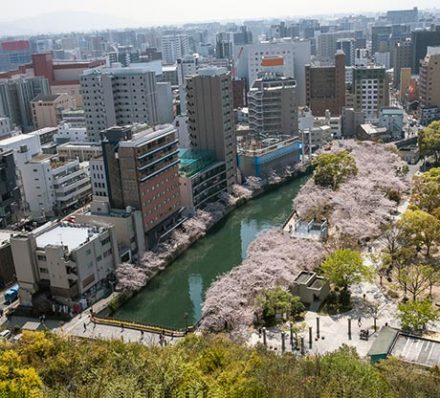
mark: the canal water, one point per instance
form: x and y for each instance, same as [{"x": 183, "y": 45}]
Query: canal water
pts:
[{"x": 174, "y": 298}]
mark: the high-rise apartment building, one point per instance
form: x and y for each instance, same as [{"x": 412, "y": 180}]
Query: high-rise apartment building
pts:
[
  {"x": 429, "y": 80},
  {"x": 402, "y": 57},
  {"x": 223, "y": 45},
  {"x": 10, "y": 198},
  {"x": 370, "y": 90},
  {"x": 348, "y": 46},
  {"x": 325, "y": 87},
  {"x": 118, "y": 97},
  {"x": 16, "y": 96},
  {"x": 243, "y": 36},
  {"x": 174, "y": 47},
  {"x": 422, "y": 39},
  {"x": 327, "y": 43},
  {"x": 141, "y": 168},
  {"x": 380, "y": 38},
  {"x": 211, "y": 117},
  {"x": 14, "y": 53},
  {"x": 272, "y": 105}
]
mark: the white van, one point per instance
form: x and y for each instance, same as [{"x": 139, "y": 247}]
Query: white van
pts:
[{"x": 5, "y": 334}]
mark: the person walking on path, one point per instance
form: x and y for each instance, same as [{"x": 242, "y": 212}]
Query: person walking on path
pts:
[{"x": 85, "y": 327}]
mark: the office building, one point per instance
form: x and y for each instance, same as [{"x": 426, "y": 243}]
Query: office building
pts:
[
  {"x": 272, "y": 105},
  {"x": 118, "y": 97},
  {"x": 370, "y": 90},
  {"x": 63, "y": 76},
  {"x": 47, "y": 109},
  {"x": 174, "y": 47},
  {"x": 380, "y": 38},
  {"x": 16, "y": 96},
  {"x": 10, "y": 197},
  {"x": 98, "y": 177},
  {"x": 83, "y": 151},
  {"x": 211, "y": 117},
  {"x": 69, "y": 262},
  {"x": 7, "y": 269},
  {"x": 347, "y": 45},
  {"x": 14, "y": 53},
  {"x": 141, "y": 167},
  {"x": 398, "y": 17},
  {"x": 422, "y": 39},
  {"x": 5, "y": 128},
  {"x": 429, "y": 80},
  {"x": 325, "y": 87},
  {"x": 402, "y": 55},
  {"x": 392, "y": 120},
  {"x": 327, "y": 43},
  {"x": 248, "y": 61},
  {"x": 53, "y": 187},
  {"x": 202, "y": 178},
  {"x": 351, "y": 120},
  {"x": 261, "y": 157},
  {"x": 223, "y": 45},
  {"x": 243, "y": 36}
]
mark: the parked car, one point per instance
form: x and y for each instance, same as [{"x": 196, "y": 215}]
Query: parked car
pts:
[{"x": 5, "y": 334}]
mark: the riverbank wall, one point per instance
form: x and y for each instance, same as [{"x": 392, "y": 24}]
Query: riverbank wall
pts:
[{"x": 174, "y": 251}]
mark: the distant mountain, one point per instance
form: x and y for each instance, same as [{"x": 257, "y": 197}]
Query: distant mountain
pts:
[{"x": 59, "y": 22}]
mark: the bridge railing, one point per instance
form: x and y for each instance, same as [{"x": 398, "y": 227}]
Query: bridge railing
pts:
[{"x": 141, "y": 327}]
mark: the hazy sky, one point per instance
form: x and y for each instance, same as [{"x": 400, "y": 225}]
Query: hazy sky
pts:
[{"x": 157, "y": 11}]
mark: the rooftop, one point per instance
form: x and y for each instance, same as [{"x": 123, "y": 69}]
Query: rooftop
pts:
[
  {"x": 194, "y": 160},
  {"x": 148, "y": 134},
  {"x": 46, "y": 97},
  {"x": 417, "y": 350},
  {"x": 44, "y": 130},
  {"x": 72, "y": 236},
  {"x": 5, "y": 236}
]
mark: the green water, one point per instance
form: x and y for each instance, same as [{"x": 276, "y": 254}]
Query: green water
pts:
[{"x": 174, "y": 298}]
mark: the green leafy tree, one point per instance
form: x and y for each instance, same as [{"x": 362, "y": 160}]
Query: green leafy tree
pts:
[
  {"x": 416, "y": 279},
  {"x": 429, "y": 141},
  {"x": 426, "y": 192},
  {"x": 331, "y": 169},
  {"x": 419, "y": 228},
  {"x": 415, "y": 315},
  {"x": 345, "y": 267},
  {"x": 277, "y": 302}
]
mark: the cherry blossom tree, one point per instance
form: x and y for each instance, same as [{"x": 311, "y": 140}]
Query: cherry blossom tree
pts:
[{"x": 274, "y": 260}]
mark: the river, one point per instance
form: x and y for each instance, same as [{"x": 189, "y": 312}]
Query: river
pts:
[{"x": 174, "y": 298}]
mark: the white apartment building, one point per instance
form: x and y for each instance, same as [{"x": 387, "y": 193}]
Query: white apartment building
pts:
[
  {"x": 68, "y": 133},
  {"x": 72, "y": 262},
  {"x": 187, "y": 66},
  {"x": 248, "y": 60},
  {"x": 174, "y": 47},
  {"x": 120, "y": 96},
  {"x": 52, "y": 186}
]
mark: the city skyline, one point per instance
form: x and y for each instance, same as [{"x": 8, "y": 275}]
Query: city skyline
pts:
[{"x": 95, "y": 14}]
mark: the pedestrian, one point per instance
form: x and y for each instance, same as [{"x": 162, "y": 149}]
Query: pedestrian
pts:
[
  {"x": 142, "y": 334},
  {"x": 259, "y": 333},
  {"x": 360, "y": 321},
  {"x": 122, "y": 327},
  {"x": 85, "y": 326}
]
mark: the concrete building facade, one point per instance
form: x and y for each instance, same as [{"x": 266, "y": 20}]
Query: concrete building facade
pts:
[
  {"x": 429, "y": 81},
  {"x": 370, "y": 90},
  {"x": 325, "y": 87},
  {"x": 141, "y": 167},
  {"x": 210, "y": 111},
  {"x": 272, "y": 105},
  {"x": 69, "y": 261},
  {"x": 47, "y": 109},
  {"x": 118, "y": 97}
]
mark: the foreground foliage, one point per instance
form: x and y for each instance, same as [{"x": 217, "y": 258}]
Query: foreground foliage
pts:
[{"x": 211, "y": 366}]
